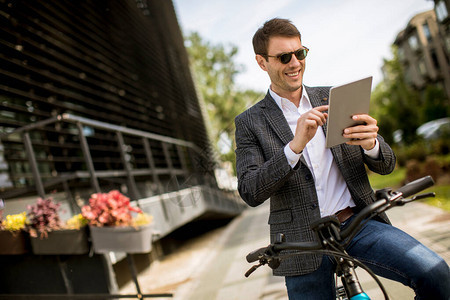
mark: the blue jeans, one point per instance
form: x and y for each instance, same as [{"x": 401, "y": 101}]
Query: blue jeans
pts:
[{"x": 388, "y": 252}]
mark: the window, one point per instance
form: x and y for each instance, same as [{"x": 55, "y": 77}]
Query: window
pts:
[
  {"x": 413, "y": 42},
  {"x": 426, "y": 31},
  {"x": 434, "y": 59},
  {"x": 421, "y": 68},
  {"x": 447, "y": 43},
  {"x": 441, "y": 11}
]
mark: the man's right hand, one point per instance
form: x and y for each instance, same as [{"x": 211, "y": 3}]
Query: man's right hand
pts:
[{"x": 307, "y": 126}]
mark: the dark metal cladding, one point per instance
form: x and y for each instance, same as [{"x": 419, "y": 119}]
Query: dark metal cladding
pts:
[{"x": 118, "y": 62}]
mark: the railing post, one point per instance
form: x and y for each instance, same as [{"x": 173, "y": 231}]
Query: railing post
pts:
[
  {"x": 172, "y": 173},
  {"x": 189, "y": 178},
  {"x": 127, "y": 166},
  {"x": 151, "y": 164},
  {"x": 168, "y": 159},
  {"x": 182, "y": 160},
  {"x": 88, "y": 158},
  {"x": 194, "y": 158},
  {"x": 33, "y": 164}
]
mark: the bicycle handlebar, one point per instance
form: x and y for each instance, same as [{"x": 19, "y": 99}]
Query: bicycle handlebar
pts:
[
  {"x": 387, "y": 200},
  {"x": 416, "y": 186},
  {"x": 255, "y": 255},
  {"x": 305, "y": 246}
]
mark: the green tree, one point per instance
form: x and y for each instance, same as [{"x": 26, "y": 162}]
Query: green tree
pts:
[
  {"x": 436, "y": 103},
  {"x": 397, "y": 106},
  {"x": 214, "y": 71}
]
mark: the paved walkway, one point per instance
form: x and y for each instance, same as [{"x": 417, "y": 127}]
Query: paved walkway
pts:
[{"x": 212, "y": 266}]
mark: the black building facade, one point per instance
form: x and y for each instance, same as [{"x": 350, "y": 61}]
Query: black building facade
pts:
[{"x": 120, "y": 63}]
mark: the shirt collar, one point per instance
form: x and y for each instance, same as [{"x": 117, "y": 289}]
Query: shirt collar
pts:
[{"x": 286, "y": 105}]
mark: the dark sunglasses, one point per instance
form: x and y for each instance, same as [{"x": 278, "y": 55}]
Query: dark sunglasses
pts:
[{"x": 285, "y": 58}]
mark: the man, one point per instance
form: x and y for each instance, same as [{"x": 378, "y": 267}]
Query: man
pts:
[{"x": 281, "y": 155}]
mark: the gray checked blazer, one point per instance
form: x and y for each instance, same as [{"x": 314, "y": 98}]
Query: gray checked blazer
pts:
[{"x": 263, "y": 172}]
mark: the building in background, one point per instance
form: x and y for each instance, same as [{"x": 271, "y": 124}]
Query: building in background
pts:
[
  {"x": 442, "y": 9},
  {"x": 122, "y": 63},
  {"x": 424, "y": 48}
]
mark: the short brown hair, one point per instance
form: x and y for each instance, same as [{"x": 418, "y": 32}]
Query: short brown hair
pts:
[{"x": 271, "y": 28}]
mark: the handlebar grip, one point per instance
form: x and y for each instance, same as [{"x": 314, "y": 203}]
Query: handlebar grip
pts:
[
  {"x": 416, "y": 186},
  {"x": 254, "y": 255}
]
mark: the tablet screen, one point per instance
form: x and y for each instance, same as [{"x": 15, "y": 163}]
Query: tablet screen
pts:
[{"x": 345, "y": 101}]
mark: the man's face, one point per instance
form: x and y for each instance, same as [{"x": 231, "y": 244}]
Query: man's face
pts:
[{"x": 285, "y": 78}]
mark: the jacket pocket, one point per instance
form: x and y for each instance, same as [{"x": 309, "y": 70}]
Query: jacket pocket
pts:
[{"x": 280, "y": 217}]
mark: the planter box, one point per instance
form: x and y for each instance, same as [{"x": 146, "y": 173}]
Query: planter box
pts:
[
  {"x": 126, "y": 239},
  {"x": 62, "y": 242},
  {"x": 14, "y": 243}
]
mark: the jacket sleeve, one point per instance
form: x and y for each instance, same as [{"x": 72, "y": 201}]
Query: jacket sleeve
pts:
[
  {"x": 258, "y": 178},
  {"x": 385, "y": 163}
]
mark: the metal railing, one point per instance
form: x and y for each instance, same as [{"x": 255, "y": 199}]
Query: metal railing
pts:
[{"x": 128, "y": 171}]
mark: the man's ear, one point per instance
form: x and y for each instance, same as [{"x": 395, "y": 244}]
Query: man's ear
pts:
[{"x": 261, "y": 62}]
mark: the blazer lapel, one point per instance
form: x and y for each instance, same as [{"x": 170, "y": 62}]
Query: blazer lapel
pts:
[
  {"x": 278, "y": 122},
  {"x": 276, "y": 119},
  {"x": 317, "y": 100}
]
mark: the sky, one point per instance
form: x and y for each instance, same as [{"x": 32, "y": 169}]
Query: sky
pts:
[{"x": 348, "y": 39}]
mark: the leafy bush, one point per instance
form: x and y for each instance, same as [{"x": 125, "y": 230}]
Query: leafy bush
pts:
[
  {"x": 43, "y": 217},
  {"x": 433, "y": 165},
  {"x": 416, "y": 151}
]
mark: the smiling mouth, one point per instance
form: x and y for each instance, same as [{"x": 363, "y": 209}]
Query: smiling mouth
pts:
[{"x": 293, "y": 74}]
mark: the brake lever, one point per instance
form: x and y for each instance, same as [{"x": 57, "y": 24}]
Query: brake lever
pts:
[
  {"x": 417, "y": 197},
  {"x": 253, "y": 269},
  {"x": 264, "y": 259}
]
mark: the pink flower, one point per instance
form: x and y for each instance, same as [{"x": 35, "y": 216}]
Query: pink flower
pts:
[{"x": 109, "y": 209}]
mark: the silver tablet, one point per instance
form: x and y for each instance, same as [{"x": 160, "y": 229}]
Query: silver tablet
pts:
[{"x": 345, "y": 101}]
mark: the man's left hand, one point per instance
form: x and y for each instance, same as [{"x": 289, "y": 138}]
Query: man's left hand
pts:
[{"x": 362, "y": 135}]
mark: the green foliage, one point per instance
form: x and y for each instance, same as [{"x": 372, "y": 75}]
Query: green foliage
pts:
[
  {"x": 396, "y": 103},
  {"x": 415, "y": 151},
  {"x": 398, "y": 106},
  {"x": 436, "y": 104},
  {"x": 421, "y": 149},
  {"x": 442, "y": 198},
  {"x": 393, "y": 180},
  {"x": 380, "y": 110},
  {"x": 214, "y": 71},
  {"x": 396, "y": 179}
]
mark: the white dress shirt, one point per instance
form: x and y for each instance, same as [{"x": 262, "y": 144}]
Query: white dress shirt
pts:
[{"x": 332, "y": 191}]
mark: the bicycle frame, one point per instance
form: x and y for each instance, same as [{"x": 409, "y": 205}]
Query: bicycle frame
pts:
[{"x": 332, "y": 241}]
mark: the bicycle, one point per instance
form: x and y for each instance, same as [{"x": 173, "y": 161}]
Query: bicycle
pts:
[{"x": 332, "y": 241}]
